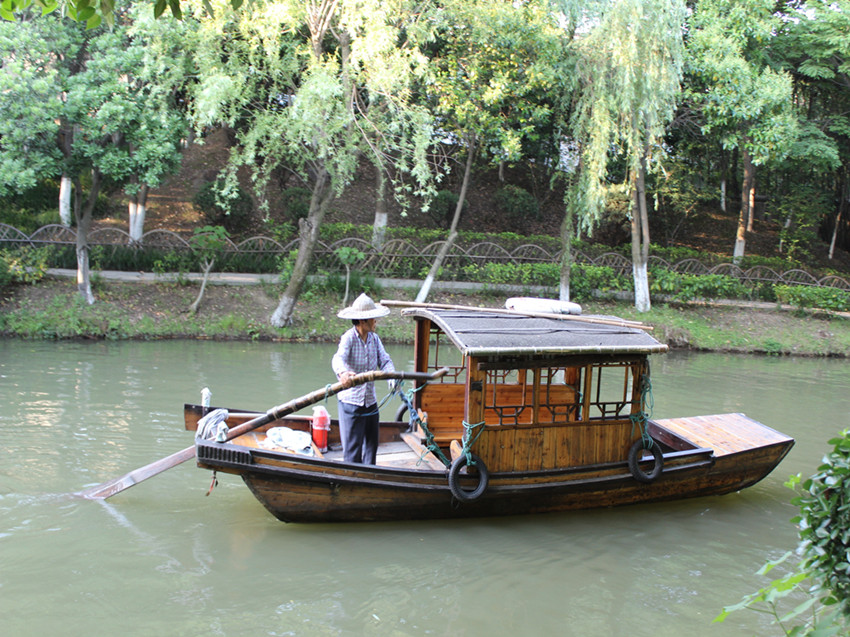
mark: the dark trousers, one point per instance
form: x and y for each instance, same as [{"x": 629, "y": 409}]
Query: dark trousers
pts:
[{"x": 358, "y": 428}]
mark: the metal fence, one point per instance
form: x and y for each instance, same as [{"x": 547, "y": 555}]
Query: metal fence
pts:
[{"x": 399, "y": 258}]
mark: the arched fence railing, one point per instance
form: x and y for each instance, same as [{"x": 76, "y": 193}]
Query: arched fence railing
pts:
[{"x": 397, "y": 258}]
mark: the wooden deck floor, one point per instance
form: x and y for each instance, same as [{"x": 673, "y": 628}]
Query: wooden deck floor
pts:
[
  {"x": 724, "y": 433},
  {"x": 404, "y": 454}
]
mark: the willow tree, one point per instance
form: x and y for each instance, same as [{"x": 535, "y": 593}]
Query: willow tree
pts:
[
  {"x": 313, "y": 87},
  {"x": 491, "y": 65},
  {"x": 630, "y": 65},
  {"x": 744, "y": 98}
]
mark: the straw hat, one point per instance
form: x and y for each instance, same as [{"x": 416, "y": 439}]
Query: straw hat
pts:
[{"x": 364, "y": 308}]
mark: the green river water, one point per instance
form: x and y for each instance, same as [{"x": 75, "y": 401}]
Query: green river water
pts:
[{"x": 163, "y": 559}]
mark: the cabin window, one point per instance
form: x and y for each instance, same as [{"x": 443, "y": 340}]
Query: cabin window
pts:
[
  {"x": 551, "y": 395},
  {"x": 609, "y": 389},
  {"x": 560, "y": 394},
  {"x": 443, "y": 353},
  {"x": 508, "y": 396}
]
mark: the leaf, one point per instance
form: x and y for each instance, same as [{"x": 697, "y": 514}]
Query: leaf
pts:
[
  {"x": 159, "y": 8},
  {"x": 93, "y": 22},
  {"x": 175, "y": 9}
]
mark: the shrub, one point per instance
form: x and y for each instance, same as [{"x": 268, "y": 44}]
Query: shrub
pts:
[
  {"x": 586, "y": 280},
  {"x": 687, "y": 287},
  {"x": 443, "y": 206},
  {"x": 824, "y": 572},
  {"x": 228, "y": 209},
  {"x": 823, "y": 298},
  {"x": 517, "y": 205},
  {"x": 295, "y": 203}
]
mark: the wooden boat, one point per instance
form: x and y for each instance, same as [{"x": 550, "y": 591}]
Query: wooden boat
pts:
[{"x": 537, "y": 413}]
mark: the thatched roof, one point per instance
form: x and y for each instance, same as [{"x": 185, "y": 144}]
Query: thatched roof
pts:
[{"x": 477, "y": 332}]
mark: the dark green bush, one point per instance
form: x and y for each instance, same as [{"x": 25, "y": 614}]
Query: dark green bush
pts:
[
  {"x": 517, "y": 205},
  {"x": 219, "y": 211},
  {"x": 442, "y": 208},
  {"x": 295, "y": 203},
  {"x": 687, "y": 287}
]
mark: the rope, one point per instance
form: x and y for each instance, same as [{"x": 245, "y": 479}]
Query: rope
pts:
[
  {"x": 430, "y": 444},
  {"x": 647, "y": 402},
  {"x": 469, "y": 440}
]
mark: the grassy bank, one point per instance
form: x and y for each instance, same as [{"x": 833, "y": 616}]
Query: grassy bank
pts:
[{"x": 52, "y": 309}]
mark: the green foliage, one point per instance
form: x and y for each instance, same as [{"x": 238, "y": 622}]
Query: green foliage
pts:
[
  {"x": 807, "y": 296},
  {"x": 588, "y": 280},
  {"x": 229, "y": 208},
  {"x": 23, "y": 265},
  {"x": 513, "y": 273},
  {"x": 823, "y": 574},
  {"x": 800, "y": 212},
  {"x": 517, "y": 205},
  {"x": 824, "y": 522},
  {"x": 687, "y": 287}
]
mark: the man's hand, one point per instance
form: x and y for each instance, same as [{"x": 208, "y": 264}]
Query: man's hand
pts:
[{"x": 345, "y": 378}]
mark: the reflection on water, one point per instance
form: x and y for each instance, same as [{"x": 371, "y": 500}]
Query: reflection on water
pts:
[{"x": 161, "y": 558}]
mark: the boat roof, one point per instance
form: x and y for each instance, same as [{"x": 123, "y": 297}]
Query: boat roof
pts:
[{"x": 478, "y": 332}]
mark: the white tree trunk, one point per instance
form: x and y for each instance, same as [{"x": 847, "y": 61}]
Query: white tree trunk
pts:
[
  {"x": 640, "y": 240},
  {"x": 65, "y": 188},
  {"x": 746, "y": 197},
  {"x": 137, "y": 208},
  {"x": 566, "y": 255},
  {"x": 723, "y": 194},
  {"x": 83, "y": 215},
  {"x": 379, "y": 228},
  {"x": 639, "y": 273}
]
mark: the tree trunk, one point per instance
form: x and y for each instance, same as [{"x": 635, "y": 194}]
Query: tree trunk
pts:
[
  {"x": 566, "y": 255},
  {"x": 137, "y": 208},
  {"x": 741, "y": 237},
  {"x": 441, "y": 255},
  {"x": 751, "y": 203},
  {"x": 640, "y": 239},
  {"x": 193, "y": 309},
  {"x": 844, "y": 197},
  {"x": 379, "y": 229},
  {"x": 83, "y": 216},
  {"x": 308, "y": 234},
  {"x": 65, "y": 187}
]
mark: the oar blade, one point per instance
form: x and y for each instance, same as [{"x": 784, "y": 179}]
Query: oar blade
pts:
[{"x": 108, "y": 489}]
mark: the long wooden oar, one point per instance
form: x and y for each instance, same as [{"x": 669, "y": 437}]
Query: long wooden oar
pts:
[
  {"x": 496, "y": 310},
  {"x": 108, "y": 489}
]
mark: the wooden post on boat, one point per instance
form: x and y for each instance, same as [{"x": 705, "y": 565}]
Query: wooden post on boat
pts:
[{"x": 108, "y": 489}]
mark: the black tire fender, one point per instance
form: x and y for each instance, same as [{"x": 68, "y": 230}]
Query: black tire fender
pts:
[
  {"x": 461, "y": 494},
  {"x": 399, "y": 414},
  {"x": 634, "y": 460}
]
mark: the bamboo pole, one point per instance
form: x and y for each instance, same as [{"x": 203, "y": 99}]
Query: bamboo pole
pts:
[{"x": 563, "y": 317}]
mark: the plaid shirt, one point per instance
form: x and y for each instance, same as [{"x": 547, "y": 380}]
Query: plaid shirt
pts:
[{"x": 356, "y": 356}]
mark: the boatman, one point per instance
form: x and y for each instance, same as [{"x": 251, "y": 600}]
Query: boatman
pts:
[{"x": 360, "y": 350}]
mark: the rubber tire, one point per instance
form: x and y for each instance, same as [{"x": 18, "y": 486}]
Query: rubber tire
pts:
[
  {"x": 399, "y": 414},
  {"x": 460, "y": 494},
  {"x": 634, "y": 461}
]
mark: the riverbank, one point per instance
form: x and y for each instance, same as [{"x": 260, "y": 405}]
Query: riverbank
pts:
[{"x": 140, "y": 309}]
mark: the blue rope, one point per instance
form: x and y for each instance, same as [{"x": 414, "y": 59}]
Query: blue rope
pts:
[
  {"x": 647, "y": 403},
  {"x": 430, "y": 444},
  {"x": 469, "y": 439}
]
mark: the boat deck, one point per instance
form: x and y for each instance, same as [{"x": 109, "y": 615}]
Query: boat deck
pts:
[
  {"x": 724, "y": 433},
  {"x": 406, "y": 453}
]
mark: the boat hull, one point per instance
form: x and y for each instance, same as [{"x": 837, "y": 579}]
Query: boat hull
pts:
[{"x": 303, "y": 489}]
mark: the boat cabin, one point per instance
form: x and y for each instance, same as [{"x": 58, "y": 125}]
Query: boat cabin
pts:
[{"x": 530, "y": 393}]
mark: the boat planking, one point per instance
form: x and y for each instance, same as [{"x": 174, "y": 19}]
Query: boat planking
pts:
[{"x": 536, "y": 414}]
